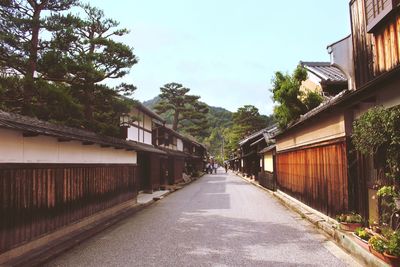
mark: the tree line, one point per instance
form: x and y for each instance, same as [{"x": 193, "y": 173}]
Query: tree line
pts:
[{"x": 53, "y": 63}]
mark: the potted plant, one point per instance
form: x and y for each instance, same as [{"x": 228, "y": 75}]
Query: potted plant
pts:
[
  {"x": 392, "y": 250},
  {"x": 377, "y": 245},
  {"x": 362, "y": 236},
  {"x": 349, "y": 221}
]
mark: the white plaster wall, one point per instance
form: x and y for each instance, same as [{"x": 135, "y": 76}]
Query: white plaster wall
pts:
[
  {"x": 179, "y": 144},
  {"x": 314, "y": 132},
  {"x": 147, "y": 123},
  {"x": 147, "y": 138},
  {"x": 133, "y": 134},
  {"x": 268, "y": 162},
  {"x": 14, "y": 148},
  {"x": 342, "y": 56}
]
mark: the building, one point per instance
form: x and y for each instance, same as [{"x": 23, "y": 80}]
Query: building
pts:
[
  {"x": 55, "y": 179},
  {"x": 138, "y": 127},
  {"x": 316, "y": 162}
]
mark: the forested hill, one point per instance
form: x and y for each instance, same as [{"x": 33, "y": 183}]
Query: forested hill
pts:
[{"x": 219, "y": 119}]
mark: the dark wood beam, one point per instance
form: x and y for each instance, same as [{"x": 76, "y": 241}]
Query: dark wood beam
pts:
[
  {"x": 29, "y": 134},
  {"x": 87, "y": 143},
  {"x": 61, "y": 140}
]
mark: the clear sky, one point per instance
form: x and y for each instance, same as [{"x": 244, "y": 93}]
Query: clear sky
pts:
[{"x": 226, "y": 51}]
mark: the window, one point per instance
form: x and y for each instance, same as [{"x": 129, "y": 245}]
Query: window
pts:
[{"x": 377, "y": 10}]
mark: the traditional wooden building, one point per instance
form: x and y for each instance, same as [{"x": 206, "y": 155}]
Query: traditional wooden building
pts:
[
  {"x": 316, "y": 162},
  {"x": 171, "y": 142},
  {"x": 250, "y": 159},
  {"x": 138, "y": 127},
  {"x": 196, "y": 156},
  {"x": 56, "y": 179}
]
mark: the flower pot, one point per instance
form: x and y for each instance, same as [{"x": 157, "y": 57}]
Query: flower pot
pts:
[
  {"x": 392, "y": 260},
  {"x": 376, "y": 253},
  {"x": 351, "y": 227},
  {"x": 363, "y": 243}
]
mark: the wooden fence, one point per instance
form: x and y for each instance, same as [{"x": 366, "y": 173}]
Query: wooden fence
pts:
[
  {"x": 36, "y": 199},
  {"x": 317, "y": 176}
]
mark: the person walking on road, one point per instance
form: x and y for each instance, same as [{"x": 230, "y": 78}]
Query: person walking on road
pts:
[{"x": 226, "y": 167}]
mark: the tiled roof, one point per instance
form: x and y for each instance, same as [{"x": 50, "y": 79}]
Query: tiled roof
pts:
[
  {"x": 325, "y": 71},
  {"x": 266, "y": 132},
  {"x": 35, "y": 126}
]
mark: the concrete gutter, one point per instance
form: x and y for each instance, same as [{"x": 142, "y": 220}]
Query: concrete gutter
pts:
[
  {"x": 329, "y": 226},
  {"x": 43, "y": 254}
]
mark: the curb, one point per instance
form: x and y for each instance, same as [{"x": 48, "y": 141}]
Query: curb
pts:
[
  {"x": 326, "y": 224},
  {"x": 44, "y": 254}
]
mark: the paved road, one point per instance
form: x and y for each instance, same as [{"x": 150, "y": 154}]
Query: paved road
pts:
[{"x": 219, "y": 220}]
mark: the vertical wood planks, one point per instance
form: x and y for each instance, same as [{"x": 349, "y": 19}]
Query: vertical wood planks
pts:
[
  {"x": 36, "y": 199},
  {"x": 317, "y": 176}
]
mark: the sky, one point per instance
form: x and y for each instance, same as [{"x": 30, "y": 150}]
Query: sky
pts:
[{"x": 225, "y": 51}]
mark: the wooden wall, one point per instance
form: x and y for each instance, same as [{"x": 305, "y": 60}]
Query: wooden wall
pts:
[
  {"x": 387, "y": 46},
  {"x": 317, "y": 176},
  {"x": 376, "y": 52},
  {"x": 179, "y": 165},
  {"x": 362, "y": 44},
  {"x": 36, "y": 199}
]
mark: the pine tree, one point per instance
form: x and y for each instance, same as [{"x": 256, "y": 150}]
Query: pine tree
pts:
[
  {"x": 189, "y": 114},
  {"x": 20, "y": 42}
]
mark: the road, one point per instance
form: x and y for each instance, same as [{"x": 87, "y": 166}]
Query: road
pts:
[{"x": 218, "y": 220}]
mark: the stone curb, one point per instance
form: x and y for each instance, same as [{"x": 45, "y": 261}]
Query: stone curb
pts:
[
  {"x": 326, "y": 224},
  {"x": 52, "y": 250}
]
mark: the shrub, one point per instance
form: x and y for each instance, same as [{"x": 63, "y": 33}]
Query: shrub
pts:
[
  {"x": 393, "y": 245},
  {"x": 377, "y": 243}
]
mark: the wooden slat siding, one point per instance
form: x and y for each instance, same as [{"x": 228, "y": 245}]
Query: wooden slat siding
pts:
[
  {"x": 37, "y": 199},
  {"x": 155, "y": 172},
  {"x": 375, "y": 53},
  {"x": 179, "y": 164},
  {"x": 317, "y": 176},
  {"x": 362, "y": 44},
  {"x": 388, "y": 46}
]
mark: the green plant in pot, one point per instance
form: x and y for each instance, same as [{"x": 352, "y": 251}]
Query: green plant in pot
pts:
[
  {"x": 349, "y": 221},
  {"x": 392, "y": 249},
  {"x": 377, "y": 245},
  {"x": 377, "y": 133},
  {"x": 362, "y": 234}
]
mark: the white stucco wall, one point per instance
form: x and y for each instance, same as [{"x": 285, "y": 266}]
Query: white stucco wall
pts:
[
  {"x": 147, "y": 138},
  {"x": 133, "y": 133},
  {"x": 179, "y": 144},
  {"x": 342, "y": 56},
  {"x": 14, "y": 148},
  {"x": 268, "y": 162}
]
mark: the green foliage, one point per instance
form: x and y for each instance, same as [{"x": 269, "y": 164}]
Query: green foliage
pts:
[
  {"x": 377, "y": 243},
  {"x": 246, "y": 121},
  {"x": 213, "y": 136},
  {"x": 286, "y": 92},
  {"x": 189, "y": 114},
  {"x": 362, "y": 233},
  {"x": 387, "y": 195},
  {"x": 393, "y": 244},
  {"x": 76, "y": 55},
  {"x": 312, "y": 100},
  {"x": 378, "y": 130}
]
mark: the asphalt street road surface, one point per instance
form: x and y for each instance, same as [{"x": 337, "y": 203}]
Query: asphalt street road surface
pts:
[{"x": 219, "y": 220}]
